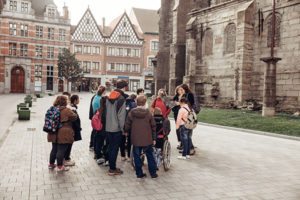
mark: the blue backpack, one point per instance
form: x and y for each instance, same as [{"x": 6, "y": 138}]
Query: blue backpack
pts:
[{"x": 52, "y": 120}]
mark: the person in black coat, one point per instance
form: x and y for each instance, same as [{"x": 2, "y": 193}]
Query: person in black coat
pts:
[
  {"x": 91, "y": 114},
  {"x": 74, "y": 101}
]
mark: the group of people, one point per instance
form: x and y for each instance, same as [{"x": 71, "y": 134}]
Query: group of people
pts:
[{"x": 127, "y": 124}]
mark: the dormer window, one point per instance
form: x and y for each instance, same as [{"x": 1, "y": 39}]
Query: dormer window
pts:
[
  {"x": 13, "y": 5},
  {"x": 51, "y": 12},
  {"x": 87, "y": 21},
  {"x": 124, "y": 24},
  {"x": 24, "y": 7}
]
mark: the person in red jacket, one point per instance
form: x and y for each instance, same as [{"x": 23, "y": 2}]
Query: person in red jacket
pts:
[{"x": 159, "y": 102}]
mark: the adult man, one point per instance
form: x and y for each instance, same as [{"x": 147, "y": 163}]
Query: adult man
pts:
[{"x": 115, "y": 120}]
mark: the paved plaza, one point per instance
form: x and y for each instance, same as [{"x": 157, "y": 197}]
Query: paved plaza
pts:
[{"x": 227, "y": 165}]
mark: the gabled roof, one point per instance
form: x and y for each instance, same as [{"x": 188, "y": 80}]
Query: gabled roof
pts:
[
  {"x": 114, "y": 24},
  {"x": 81, "y": 20},
  {"x": 147, "y": 19},
  {"x": 40, "y": 6}
]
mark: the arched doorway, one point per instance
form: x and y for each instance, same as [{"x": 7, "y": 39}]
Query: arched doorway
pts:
[
  {"x": 60, "y": 86},
  {"x": 17, "y": 80}
]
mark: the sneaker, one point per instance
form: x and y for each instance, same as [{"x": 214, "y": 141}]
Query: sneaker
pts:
[
  {"x": 117, "y": 171},
  {"x": 51, "y": 166},
  {"x": 123, "y": 158},
  {"x": 188, "y": 156},
  {"x": 62, "y": 168},
  {"x": 142, "y": 176},
  {"x": 91, "y": 148},
  {"x": 154, "y": 176},
  {"x": 106, "y": 163},
  {"x": 69, "y": 163},
  {"x": 181, "y": 157},
  {"x": 100, "y": 161}
]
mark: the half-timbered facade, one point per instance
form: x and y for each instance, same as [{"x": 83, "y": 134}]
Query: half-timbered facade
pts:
[
  {"x": 32, "y": 34},
  {"x": 124, "y": 53},
  {"x": 87, "y": 42}
]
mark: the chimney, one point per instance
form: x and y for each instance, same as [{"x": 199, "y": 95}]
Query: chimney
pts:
[
  {"x": 66, "y": 12},
  {"x": 103, "y": 24}
]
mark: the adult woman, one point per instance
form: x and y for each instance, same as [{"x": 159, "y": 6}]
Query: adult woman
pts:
[
  {"x": 179, "y": 93},
  {"x": 74, "y": 101},
  {"x": 64, "y": 136},
  {"x": 159, "y": 102}
]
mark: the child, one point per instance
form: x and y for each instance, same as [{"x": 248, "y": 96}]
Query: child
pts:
[
  {"x": 141, "y": 124},
  {"x": 162, "y": 127},
  {"x": 185, "y": 134}
]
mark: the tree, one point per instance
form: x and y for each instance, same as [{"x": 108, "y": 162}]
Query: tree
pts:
[{"x": 68, "y": 67}]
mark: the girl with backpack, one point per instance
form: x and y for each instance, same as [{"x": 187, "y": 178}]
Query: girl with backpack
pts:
[
  {"x": 64, "y": 136},
  {"x": 185, "y": 134},
  {"x": 160, "y": 102}
]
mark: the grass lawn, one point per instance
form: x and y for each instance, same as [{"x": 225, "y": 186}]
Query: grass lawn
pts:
[{"x": 281, "y": 123}]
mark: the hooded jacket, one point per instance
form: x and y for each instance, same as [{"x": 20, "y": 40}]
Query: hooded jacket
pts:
[
  {"x": 141, "y": 124},
  {"x": 115, "y": 111}
]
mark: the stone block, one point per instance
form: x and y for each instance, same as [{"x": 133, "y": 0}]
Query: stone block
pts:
[{"x": 293, "y": 93}]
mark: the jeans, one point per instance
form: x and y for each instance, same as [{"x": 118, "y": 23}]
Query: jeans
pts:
[
  {"x": 124, "y": 147},
  {"x": 114, "y": 139},
  {"x": 92, "y": 141},
  {"x": 68, "y": 152},
  {"x": 186, "y": 138},
  {"x": 58, "y": 152},
  {"x": 100, "y": 137},
  {"x": 148, "y": 150}
]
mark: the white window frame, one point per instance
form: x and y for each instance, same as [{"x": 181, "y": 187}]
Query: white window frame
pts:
[{"x": 154, "y": 50}]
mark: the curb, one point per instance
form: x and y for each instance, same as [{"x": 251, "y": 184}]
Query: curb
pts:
[{"x": 277, "y": 135}]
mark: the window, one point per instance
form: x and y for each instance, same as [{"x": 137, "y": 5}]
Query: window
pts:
[
  {"x": 50, "y": 52},
  {"x": 111, "y": 67},
  {"x": 39, "y": 32},
  {"x": 50, "y": 77},
  {"x": 13, "y": 49},
  {"x": 87, "y": 49},
  {"x": 127, "y": 52},
  {"x": 208, "y": 42},
  {"x": 96, "y": 66},
  {"x": 51, "y": 12},
  {"x": 62, "y": 34},
  {"x": 124, "y": 37},
  {"x": 87, "y": 35},
  {"x": 61, "y": 51},
  {"x": 87, "y": 21},
  {"x": 135, "y": 68},
  {"x": 127, "y": 67},
  {"x": 24, "y": 50},
  {"x": 78, "y": 49},
  {"x": 136, "y": 53},
  {"x": 24, "y": 30},
  {"x": 39, "y": 51},
  {"x": 12, "y": 29},
  {"x": 96, "y": 50},
  {"x": 50, "y": 33},
  {"x": 111, "y": 51},
  {"x": 38, "y": 73},
  {"x": 86, "y": 65},
  {"x": 154, "y": 45},
  {"x": 13, "y": 5},
  {"x": 150, "y": 64},
  {"x": 119, "y": 51},
  {"x": 24, "y": 7}
]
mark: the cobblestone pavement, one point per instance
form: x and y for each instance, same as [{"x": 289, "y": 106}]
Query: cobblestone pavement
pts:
[{"x": 227, "y": 165}]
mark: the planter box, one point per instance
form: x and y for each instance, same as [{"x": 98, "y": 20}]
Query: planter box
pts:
[
  {"x": 29, "y": 102},
  {"x": 23, "y": 105},
  {"x": 24, "y": 113}
]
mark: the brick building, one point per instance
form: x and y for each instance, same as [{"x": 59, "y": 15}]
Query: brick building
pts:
[
  {"x": 121, "y": 50},
  {"x": 216, "y": 47},
  {"x": 32, "y": 34},
  {"x": 146, "y": 22}
]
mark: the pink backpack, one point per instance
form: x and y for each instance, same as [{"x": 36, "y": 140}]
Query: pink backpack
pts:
[{"x": 96, "y": 122}]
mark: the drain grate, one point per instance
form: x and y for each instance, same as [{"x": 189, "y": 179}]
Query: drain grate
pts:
[{"x": 31, "y": 129}]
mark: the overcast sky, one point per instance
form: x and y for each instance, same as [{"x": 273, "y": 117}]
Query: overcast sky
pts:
[{"x": 110, "y": 9}]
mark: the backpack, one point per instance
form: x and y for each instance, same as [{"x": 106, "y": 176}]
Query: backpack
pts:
[
  {"x": 96, "y": 122},
  {"x": 192, "y": 121},
  {"x": 52, "y": 120},
  {"x": 196, "y": 106}
]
